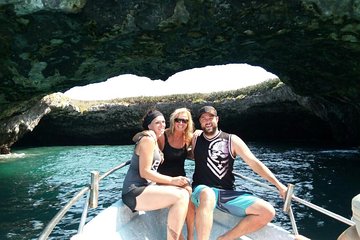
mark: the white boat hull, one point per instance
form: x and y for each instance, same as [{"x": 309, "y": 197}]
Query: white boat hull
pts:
[{"x": 117, "y": 222}]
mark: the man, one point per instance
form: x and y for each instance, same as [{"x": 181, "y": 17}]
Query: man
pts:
[{"x": 213, "y": 180}]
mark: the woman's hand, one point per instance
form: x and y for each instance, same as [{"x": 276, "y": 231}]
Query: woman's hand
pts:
[{"x": 179, "y": 181}]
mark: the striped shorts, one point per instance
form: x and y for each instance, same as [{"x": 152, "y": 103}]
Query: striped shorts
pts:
[{"x": 230, "y": 201}]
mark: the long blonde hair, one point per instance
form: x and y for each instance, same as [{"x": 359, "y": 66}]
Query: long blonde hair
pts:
[{"x": 188, "y": 134}]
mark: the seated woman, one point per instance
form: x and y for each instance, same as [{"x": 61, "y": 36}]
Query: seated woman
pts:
[
  {"x": 175, "y": 145},
  {"x": 139, "y": 191}
]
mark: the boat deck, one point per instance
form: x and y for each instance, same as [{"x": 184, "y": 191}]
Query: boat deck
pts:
[{"x": 118, "y": 223}]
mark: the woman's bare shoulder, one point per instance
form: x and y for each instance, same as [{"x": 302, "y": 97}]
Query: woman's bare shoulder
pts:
[{"x": 146, "y": 133}]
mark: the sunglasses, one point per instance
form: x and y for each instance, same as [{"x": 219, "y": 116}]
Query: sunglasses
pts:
[{"x": 181, "y": 120}]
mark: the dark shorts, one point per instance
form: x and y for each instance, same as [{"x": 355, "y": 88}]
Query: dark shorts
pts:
[
  {"x": 129, "y": 198},
  {"x": 230, "y": 201}
]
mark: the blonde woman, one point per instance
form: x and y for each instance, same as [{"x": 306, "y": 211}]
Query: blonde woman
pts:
[{"x": 175, "y": 144}]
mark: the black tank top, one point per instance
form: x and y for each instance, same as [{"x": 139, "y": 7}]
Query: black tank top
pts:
[
  {"x": 174, "y": 160},
  {"x": 214, "y": 161}
]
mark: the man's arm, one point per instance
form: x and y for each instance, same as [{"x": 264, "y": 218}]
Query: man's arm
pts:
[{"x": 241, "y": 149}]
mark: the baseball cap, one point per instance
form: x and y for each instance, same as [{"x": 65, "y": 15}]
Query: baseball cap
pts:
[{"x": 207, "y": 109}]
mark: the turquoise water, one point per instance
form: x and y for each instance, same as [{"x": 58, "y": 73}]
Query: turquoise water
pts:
[{"x": 35, "y": 183}]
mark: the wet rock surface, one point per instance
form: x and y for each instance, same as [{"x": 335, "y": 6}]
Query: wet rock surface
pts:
[{"x": 313, "y": 46}]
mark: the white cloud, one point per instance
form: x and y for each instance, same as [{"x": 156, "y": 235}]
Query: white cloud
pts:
[{"x": 198, "y": 80}]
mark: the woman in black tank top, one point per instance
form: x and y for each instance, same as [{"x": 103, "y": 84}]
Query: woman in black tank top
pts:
[
  {"x": 174, "y": 144},
  {"x": 174, "y": 162}
]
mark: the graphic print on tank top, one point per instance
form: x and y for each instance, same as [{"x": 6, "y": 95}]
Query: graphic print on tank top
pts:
[
  {"x": 157, "y": 161},
  {"x": 155, "y": 165},
  {"x": 217, "y": 160}
]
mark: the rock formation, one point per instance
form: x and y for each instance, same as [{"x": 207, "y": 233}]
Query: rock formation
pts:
[
  {"x": 266, "y": 111},
  {"x": 50, "y": 46}
]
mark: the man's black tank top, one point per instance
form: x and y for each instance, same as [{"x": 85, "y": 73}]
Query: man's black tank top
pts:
[
  {"x": 174, "y": 160},
  {"x": 214, "y": 161}
]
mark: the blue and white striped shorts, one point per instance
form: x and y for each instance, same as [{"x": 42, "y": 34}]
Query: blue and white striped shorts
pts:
[{"x": 230, "y": 201}]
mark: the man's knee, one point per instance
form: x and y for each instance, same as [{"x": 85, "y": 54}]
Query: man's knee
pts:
[
  {"x": 207, "y": 198},
  {"x": 263, "y": 209},
  {"x": 268, "y": 212}
]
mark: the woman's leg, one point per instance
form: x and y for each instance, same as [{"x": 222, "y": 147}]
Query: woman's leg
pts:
[
  {"x": 190, "y": 217},
  {"x": 176, "y": 199},
  {"x": 190, "y": 221}
]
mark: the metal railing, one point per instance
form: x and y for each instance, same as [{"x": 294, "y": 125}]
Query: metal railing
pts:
[
  {"x": 287, "y": 205},
  {"x": 91, "y": 201},
  {"x": 92, "y": 198}
]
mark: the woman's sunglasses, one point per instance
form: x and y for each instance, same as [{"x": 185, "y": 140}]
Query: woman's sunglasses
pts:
[{"x": 181, "y": 120}]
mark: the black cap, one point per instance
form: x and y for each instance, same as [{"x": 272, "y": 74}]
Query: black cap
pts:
[{"x": 207, "y": 109}]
